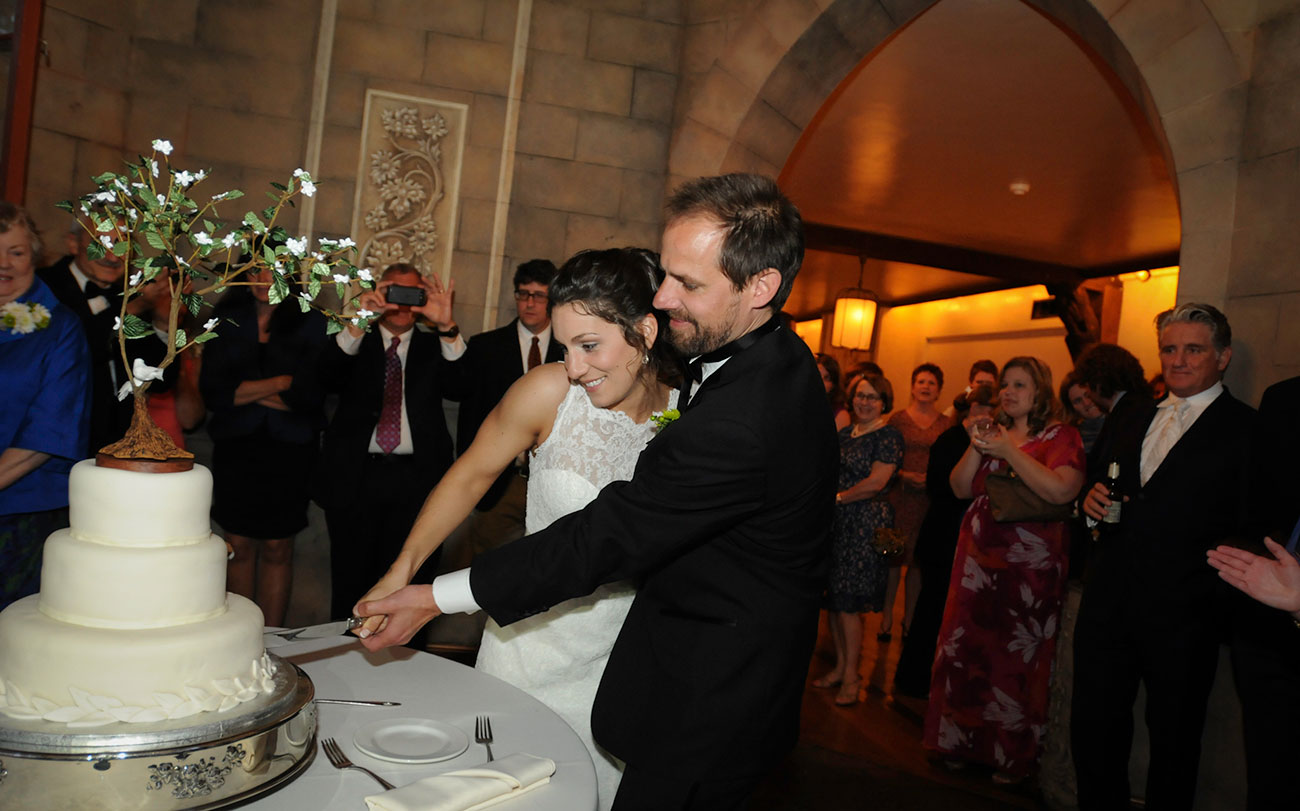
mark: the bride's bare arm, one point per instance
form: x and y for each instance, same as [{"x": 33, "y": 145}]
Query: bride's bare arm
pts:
[{"x": 520, "y": 421}]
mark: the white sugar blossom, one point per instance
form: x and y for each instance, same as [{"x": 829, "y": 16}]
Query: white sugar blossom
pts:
[
  {"x": 365, "y": 275},
  {"x": 297, "y": 247},
  {"x": 201, "y": 238},
  {"x": 219, "y": 197},
  {"x": 132, "y": 215},
  {"x": 153, "y": 167},
  {"x": 162, "y": 146},
  {"x": 162, "y": 199},
  {"x": 356, "y": 322},
  {"x": 279, "y": 267},
  {"x": 136, "y": 277},
  {"x": 184, "y": 178},
  {"x": 105, "y": 197},
  {"x": 308, "y": 188},
  {"x": 347, "y": 242},
  {"x": 199, "y": 175},
  {"x": 364, "y": 313},
  {"x": 209, "y": 324},
  {"x": 107, "y": 240},
  {"x": 117, "y": 323},
  {"x": 304, "y": 296},
  {"x": 341, "y": 278},
  {"x": 229, "y": 240},
  {"x": 85, "y": 209},
  {"x": 300, "y": 172}
]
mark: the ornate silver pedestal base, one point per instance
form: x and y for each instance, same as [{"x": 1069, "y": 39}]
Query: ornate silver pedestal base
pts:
[{"x": 166, "y": 766}]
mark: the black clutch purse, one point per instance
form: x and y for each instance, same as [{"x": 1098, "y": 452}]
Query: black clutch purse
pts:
[{"x": 1011, "y": 500}]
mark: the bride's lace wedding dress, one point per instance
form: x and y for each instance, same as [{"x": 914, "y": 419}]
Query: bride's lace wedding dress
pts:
[{"x": 558, "y": 656}]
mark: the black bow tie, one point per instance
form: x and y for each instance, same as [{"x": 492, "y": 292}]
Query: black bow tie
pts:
[
  {"x": 695, "y": 369},
  {"x": 94, "y": 291}
]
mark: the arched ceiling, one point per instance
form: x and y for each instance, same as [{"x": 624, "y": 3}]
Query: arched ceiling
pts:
[{"x": 912, "y": 159}]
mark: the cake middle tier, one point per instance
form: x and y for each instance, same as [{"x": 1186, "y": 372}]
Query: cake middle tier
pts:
[{"x": 108, "y": 586}]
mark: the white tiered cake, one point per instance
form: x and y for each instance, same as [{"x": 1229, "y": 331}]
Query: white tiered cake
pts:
[{"x": 133, "y": 622}]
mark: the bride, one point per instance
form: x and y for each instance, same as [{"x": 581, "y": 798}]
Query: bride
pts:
[{"x": 583, "y": 424}]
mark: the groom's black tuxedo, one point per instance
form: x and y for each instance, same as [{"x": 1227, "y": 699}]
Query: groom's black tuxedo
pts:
[{"x": 725, "y": 523}]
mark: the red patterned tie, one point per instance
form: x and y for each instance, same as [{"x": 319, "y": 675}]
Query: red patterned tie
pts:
[
  {"x": 534, "y": 355},
  {"x": 389, "y": 432}
]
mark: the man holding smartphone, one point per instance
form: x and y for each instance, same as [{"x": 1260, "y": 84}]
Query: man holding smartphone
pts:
[{"x": 388, "y": 444}]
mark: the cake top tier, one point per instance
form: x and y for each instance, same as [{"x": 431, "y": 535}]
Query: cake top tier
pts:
[{"x": 128, "y": 508}]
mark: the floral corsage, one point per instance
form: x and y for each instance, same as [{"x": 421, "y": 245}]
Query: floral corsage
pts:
[
  {"x": 663, "y": 419},
  {"x": 23, "y": 317}
]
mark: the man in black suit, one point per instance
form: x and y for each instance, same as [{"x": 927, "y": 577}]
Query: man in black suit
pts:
[
  {"x": 1265, "y": 640},
  {"x": 1152, "y": 610},
  {"x": 724, "y": 523},
  {"x": 493, "y": 361},
  {"x": 388, "y": 443},
  {"x": 92, "y": 288}
]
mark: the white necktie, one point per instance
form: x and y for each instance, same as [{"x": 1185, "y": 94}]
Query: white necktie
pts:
[{"x": 1156, "y": 446}]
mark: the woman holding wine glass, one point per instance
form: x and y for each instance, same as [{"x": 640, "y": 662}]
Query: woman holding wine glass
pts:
[{"x": 989, "y": 685}]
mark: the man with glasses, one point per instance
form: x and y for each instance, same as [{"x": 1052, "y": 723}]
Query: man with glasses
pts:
[{"x": 493, "y": 361}]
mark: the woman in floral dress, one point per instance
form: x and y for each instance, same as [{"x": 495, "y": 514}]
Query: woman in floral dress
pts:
[
  {"x": 870, "y": 452},
  {"x": 989, "y": 687}
]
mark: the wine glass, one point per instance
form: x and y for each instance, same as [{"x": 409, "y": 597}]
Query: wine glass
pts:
[{"x": 984, "y": 428}]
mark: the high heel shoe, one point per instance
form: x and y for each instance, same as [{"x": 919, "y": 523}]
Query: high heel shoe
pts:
[
  {"x": 826, "y": 682},
  {"x": 848, "y": 694}
]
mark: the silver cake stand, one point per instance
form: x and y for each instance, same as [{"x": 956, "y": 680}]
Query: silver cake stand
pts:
[{"x": 165, "y": 766}]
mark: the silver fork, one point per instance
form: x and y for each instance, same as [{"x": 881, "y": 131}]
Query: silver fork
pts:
[
  {"x": 340, "y": 761},
  {"x": 483, "y": 733}
]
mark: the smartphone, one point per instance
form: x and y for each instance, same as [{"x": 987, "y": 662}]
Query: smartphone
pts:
[{"x": 406, "y": 294}]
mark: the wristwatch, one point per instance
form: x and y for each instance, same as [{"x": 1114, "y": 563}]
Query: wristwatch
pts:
[{"x": 451, "y": 333}]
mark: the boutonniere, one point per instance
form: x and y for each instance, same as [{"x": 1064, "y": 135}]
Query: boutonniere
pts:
[
  {"x": 662, "y": 419},
  {"x": 24, "y": 317}
]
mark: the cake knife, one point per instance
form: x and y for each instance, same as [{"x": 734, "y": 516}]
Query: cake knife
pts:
[{"x": 318, "y": 631}]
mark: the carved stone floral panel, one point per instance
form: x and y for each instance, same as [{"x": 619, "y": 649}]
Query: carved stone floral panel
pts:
[{"x": 408, "y": 181}]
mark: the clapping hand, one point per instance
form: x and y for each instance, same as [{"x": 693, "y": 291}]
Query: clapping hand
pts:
[
  {"x": 1272, "y": 581},
  {"x": 994, "y": 441}
]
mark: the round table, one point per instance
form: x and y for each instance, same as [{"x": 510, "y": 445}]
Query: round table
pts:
[{"x": 428, "y": 687}]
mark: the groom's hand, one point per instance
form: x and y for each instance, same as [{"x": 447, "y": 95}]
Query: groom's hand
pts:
[{"x": 407, "y": 610}]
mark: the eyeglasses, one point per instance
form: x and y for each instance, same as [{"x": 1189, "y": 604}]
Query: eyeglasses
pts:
[
  {"x": 866, "y": 398},
  {"x": 530, "y": 295}
]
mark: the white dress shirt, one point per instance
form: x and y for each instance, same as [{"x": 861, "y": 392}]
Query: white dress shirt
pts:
[
  {"x": 1174, "y": 416},
  {"x": 351, "y": 345},
  {"x": 526, "y": 343}
]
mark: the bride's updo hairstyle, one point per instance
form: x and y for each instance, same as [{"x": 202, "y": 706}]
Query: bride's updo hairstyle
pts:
[{"x": 618, "y": 285}]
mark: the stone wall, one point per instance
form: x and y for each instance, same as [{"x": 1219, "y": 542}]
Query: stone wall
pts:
[{"x": 231, "y": 83}]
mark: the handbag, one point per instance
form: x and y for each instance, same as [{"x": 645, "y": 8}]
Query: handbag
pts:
[
  {"x": 889, "y": 541},
  {"x": 1011, "y": 500}
]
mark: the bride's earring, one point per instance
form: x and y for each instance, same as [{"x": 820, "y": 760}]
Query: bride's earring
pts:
[{"x": 645, "y": 359}]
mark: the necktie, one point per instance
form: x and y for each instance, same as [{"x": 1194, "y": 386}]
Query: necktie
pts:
[
  {"x": 93, "y": 290},
  {"x": 534, "y": 355},
  {"x": 389, "y": 431},
  {"x": 1169, "y": 431}
]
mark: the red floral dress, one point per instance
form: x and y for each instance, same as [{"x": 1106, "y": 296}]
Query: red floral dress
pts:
[{"x": 993, "y": 665}]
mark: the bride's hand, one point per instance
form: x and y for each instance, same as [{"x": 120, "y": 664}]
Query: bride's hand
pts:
[
  {"x": 405, "y": 611},
  {"x": 387, "y": 584}
]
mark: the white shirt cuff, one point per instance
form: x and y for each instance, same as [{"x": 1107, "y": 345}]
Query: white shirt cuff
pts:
[
  {"x": 452, "y": 593},
  {"x": 453, "y": 349},
  {"x": 349, "y": 343}
]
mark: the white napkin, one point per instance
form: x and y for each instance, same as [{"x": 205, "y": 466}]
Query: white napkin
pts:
[{"x": 469, "y": 789}]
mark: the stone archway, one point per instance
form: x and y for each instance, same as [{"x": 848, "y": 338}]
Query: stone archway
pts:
[{"x": 786, "y": 58}]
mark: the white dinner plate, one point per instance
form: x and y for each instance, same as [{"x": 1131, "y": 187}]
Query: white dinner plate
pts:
[{"x": 411, "y": 740}]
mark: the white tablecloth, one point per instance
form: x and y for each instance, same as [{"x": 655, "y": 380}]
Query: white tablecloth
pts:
[{"x": 428, "y": 687}]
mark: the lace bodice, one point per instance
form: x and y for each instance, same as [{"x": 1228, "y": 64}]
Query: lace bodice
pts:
[{"x": 588, "y": 448}]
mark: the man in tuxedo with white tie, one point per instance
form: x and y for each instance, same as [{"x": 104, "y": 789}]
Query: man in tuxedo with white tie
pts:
[
  {"x": 92, "y": 288},
  {"x": 1152, "y": 611},
  {"x": 724, "y": 523}
]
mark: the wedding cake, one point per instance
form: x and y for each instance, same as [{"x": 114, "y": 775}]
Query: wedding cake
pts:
[{"x": 133, "y": 622}]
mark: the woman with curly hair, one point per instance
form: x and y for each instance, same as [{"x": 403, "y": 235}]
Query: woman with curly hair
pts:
[{"x": 989, "y": 686}]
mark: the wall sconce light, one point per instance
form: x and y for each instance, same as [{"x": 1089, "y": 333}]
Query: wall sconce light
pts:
[{"x": 855, "y": 315}]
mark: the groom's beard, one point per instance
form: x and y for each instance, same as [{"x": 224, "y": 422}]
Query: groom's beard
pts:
[{"x": 697, "y": 339}]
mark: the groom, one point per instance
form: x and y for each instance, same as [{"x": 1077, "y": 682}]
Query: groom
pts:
[{"x": 724, "y": 524}]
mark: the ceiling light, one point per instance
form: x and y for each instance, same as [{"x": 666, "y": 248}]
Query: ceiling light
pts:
[
  {"x": 1019, "y": 187},
  {"x": 855, "y": 315}
]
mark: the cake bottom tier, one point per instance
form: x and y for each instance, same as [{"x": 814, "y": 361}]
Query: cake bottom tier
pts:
[{"x": 91, "y": 676}]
